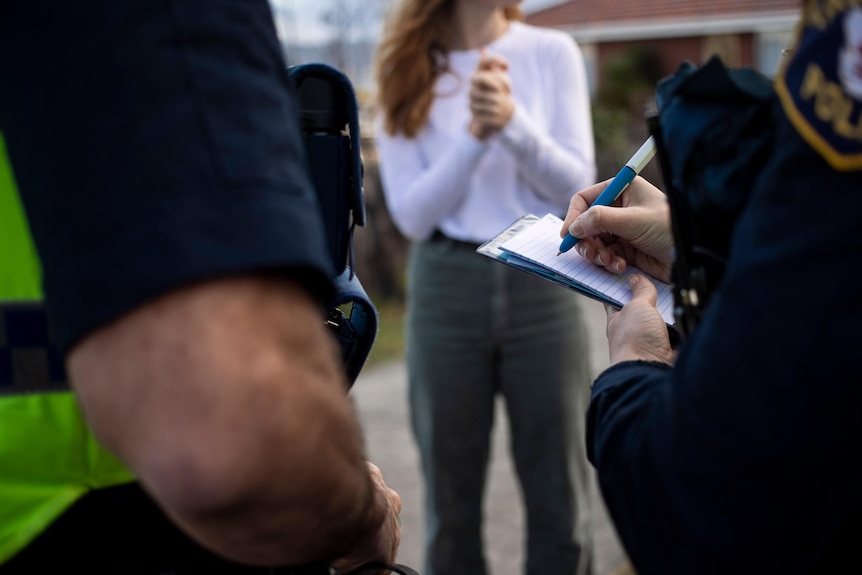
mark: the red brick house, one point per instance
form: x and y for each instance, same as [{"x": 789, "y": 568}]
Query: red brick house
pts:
[{"x": 743, "y": 32}]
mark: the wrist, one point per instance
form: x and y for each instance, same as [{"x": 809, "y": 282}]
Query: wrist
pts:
[
  {"x": 623, "y": 353},
  {"x": 518, "y": 133},
  {"x": 476, "y": 131},
  {"x": 508, "y": 113}
]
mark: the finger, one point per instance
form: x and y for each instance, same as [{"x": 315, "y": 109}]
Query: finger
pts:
[
  {"x": 581, "y": 202},
  {"x": 489, "y": 108},
  {"x": 480, "y": 82},
  {"x": 480, "y": 99},
  {"x": 481, "y": 111},
  {"x": 606, "y": 220},
  {"x": 607, "y": 256},
  {"x": 505, "y": 82},
  {"x": 377, "y": 476},
  {"x": 592, "y": 250},
  {"x": 489, "y": 61},
  {"x": 490, "y": 83},
  {"x": 374, "y": 470},
  {"x": 643, "y": 290},
  {"x": 590, "y": 223},
  {"x": 617, "y": 256}
]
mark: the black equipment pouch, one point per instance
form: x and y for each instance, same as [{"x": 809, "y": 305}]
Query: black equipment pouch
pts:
[
  {"x": 329, "y": 119},
  {"x": 713, "y": 132}
]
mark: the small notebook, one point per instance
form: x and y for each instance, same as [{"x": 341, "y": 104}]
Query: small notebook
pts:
[{"x": 531, "y": 244}]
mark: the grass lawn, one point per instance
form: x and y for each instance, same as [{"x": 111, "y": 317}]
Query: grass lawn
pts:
[{"x": 390, "y": 334}]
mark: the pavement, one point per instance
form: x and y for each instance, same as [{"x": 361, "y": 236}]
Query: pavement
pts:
[{"x": 380, "y": 394}]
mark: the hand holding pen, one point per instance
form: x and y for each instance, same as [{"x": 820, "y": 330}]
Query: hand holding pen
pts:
[
  {"x": 616, "y": 187},
  {"x": 634, "y": 231}
]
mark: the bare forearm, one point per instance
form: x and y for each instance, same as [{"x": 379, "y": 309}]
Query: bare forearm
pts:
[
  {"x": 308, "y": 500},
  {"x": 309, "y": 515},
  {"x": 228, "y": 401}
]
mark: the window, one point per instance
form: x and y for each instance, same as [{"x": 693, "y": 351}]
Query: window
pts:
[{"x": 771, "y": 47}]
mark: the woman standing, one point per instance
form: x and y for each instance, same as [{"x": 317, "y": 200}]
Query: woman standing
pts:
[{"x": 484, "y": 119}]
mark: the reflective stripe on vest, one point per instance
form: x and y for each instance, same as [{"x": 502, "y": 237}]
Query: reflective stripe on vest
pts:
[{"x": 48, "y": 456}]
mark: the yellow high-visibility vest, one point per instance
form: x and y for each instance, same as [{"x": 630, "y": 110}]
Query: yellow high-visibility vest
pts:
[{"x": 48, "y": 456}]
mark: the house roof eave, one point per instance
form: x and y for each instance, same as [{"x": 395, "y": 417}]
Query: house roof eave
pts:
[{"x": 680, "y": 28}]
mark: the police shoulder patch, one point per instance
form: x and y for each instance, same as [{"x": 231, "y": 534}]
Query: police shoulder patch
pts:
[{"x": 821, "y": 87}]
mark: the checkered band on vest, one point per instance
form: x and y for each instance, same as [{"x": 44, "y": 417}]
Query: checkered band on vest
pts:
[{"x": 30, "y": 362}]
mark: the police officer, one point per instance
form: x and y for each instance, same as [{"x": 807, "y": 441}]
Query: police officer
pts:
[
  {"x": 182, "y": 261},
  {"x": 733, "y": 453}
]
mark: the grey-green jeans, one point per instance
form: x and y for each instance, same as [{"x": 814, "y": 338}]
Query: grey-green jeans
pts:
[{"x": 477, "y": 328}]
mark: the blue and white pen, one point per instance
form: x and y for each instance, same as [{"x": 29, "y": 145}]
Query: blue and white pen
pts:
[{"x": 622, "y": 180}]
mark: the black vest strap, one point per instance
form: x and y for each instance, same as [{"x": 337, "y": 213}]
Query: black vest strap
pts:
[{"x": 30, "y": 361}]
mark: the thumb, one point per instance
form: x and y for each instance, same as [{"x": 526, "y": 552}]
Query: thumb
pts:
[{"x": 643, "y": 290}]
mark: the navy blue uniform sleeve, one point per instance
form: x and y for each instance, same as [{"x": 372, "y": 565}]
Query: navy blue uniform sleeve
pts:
[
  {"x": 155, "y": 144},
  {"x": 736, "y": 459}
]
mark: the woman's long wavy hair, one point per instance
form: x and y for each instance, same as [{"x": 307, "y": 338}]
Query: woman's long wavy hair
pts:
[{"x": 412, "y": 54}]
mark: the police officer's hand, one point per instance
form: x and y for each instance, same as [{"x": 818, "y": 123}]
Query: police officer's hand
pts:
[
  {"x": 491, "y": 103},
  {"x": 382, "y": 544},
  {"x": 637, "y": 331},
  {"x": 635, "y": 230}
]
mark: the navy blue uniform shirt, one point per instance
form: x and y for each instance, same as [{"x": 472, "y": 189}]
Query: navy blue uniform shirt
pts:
[{"x": 741, "y": 457}]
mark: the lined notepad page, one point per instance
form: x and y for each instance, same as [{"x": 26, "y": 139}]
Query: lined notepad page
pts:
[{"x": 538, "y": 244}]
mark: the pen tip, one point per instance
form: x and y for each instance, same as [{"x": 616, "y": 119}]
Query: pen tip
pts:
[{"x": 558, "y": 253}]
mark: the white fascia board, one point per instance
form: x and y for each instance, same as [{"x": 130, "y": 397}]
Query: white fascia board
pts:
[{"x": 681, "y": 28}]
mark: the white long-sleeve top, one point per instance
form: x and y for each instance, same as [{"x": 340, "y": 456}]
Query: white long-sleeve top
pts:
[{"x": 471, "y": 190}]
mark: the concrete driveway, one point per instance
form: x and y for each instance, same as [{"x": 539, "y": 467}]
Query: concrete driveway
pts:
[{"x": 381, "y": 398}]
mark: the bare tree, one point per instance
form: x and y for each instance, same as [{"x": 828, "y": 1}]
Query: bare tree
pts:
[{"x": 354, "y": 25}]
